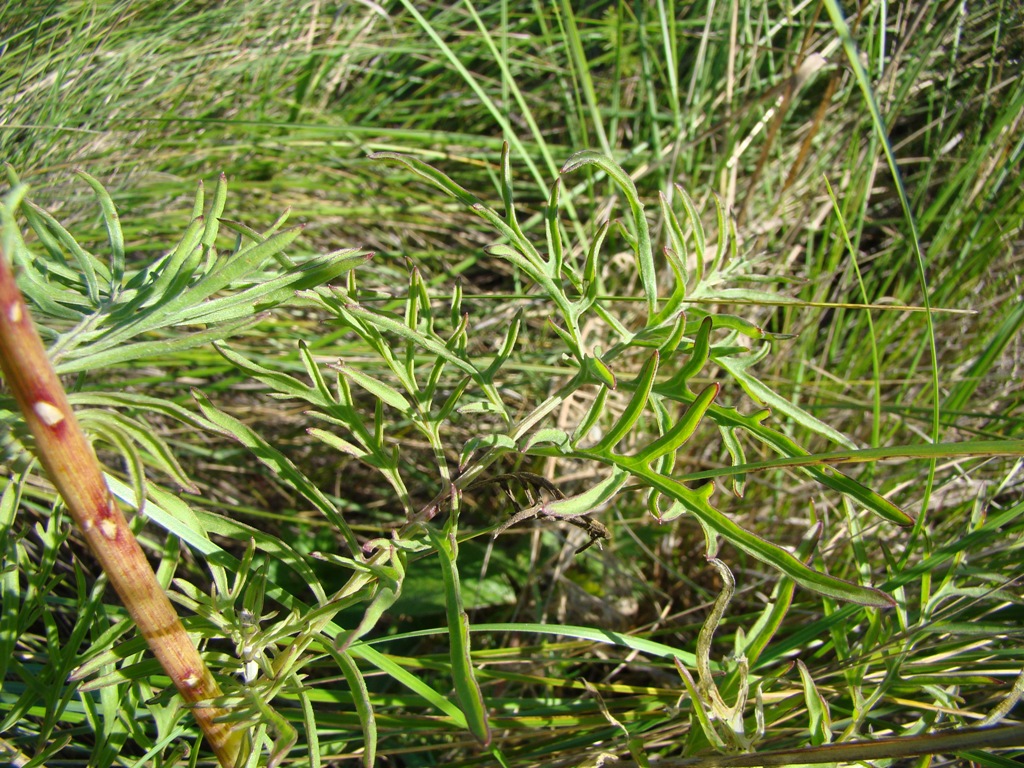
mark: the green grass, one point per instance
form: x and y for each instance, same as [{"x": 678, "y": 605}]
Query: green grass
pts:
[{"x": 791, "y": 237}]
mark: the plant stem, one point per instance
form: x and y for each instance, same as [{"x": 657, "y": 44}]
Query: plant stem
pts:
[{"x": 74, "y": 470}]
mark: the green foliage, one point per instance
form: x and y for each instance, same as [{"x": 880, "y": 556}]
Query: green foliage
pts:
[
  {"x": 435, "y": 377},
  {"x": 595, "y": 374}
]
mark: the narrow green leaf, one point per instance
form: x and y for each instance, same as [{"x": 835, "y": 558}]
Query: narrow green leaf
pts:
[
  {"x": 51, "y": 299},
  {"x": 279, "y": 382},
  {"x": 591, "y": 499},
  {"x": 553, "y": 234},
  {"x": 515, "y": 256},
  {"x": 683, "y": 429},
  {"x": 598, "y": 371},
  {"x": 765, "y": 551},
  {"x": 429, "y": 174},
  {"x": 594, "y": 414},
  {"x": 456, "y": 317},
  {"x": 212, "y": 219},
  {"x": 699, "y": 241},
  {"x": 698, "y": 707},
  {"x": 732, "y": 443},
  {"x": 739, "y": 324},
  {"x": 490, "y": 442},
  {"x": 643, "y": 251},
  {"x": 88, "y": 264},
  {"x": 417, "y": 299},
  {"x": 493, "y": 218},
  {"x": 313, "y": 273},
  {"x": 479, "y": 406},
  {"x": 604, "y": 636},
  {"x": 309, "y": 723},
  {"x": 314, "y": 373},
  {"x": 400, "y": 329},
  {"x": 11, "y": 591},
  {"x": 178, "y": 266},
  {"x": 771, "y": 618},
  {"x": 675, "y": 300},
  {"x": 591, "y": 287},
  {"x": 199, "y": 203},
  {"x": 141, "y": 434},
  {"x": 817, "y": 708},
  {"x": 574, "y": 347},
  {"x": 234, "y": 268},
  {"x": 698, "y": 359},
  {"x": 109, "y": 354},
  {"x": 871, "y": 499},
  {"x": 726, "y": 236},
  {"x": 506, "y": 191},
  {"x": 634, "y": 408},
  {"x": 277, "y": 463},
  {"x": 550, "y": 435},
  {"x": 467, "y": 689},
  {"x": 399, "y": 674},
  {"x": 453, "y": 400},
  {"x": 114, "y": 234},
  {"x": 675, "y": 257},
  {"x": 340, "y": 444},
  {"x": 786, "y": 447},
  {"x": 668, "y": 347},
  {"x": 364, "y": 707},
  {"x": 384, "y": 392},
  {"x": 389, "y": 580},
  {"x": 508, "y": 345},
  {"x": 676, "y": 237},
  {"x": 136, "y": 401}
]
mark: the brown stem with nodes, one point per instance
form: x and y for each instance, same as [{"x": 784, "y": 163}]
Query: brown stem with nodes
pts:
[{"x": 73, "y": 468}]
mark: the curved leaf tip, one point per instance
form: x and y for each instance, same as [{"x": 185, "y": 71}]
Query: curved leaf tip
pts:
[{"x": 579, "y": 159}]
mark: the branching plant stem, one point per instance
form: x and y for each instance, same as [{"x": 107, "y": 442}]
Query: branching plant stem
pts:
[{"x": 72, "y": 466}]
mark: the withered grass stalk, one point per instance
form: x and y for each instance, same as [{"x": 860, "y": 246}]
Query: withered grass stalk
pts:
[{"x": 73, "y": 468}]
